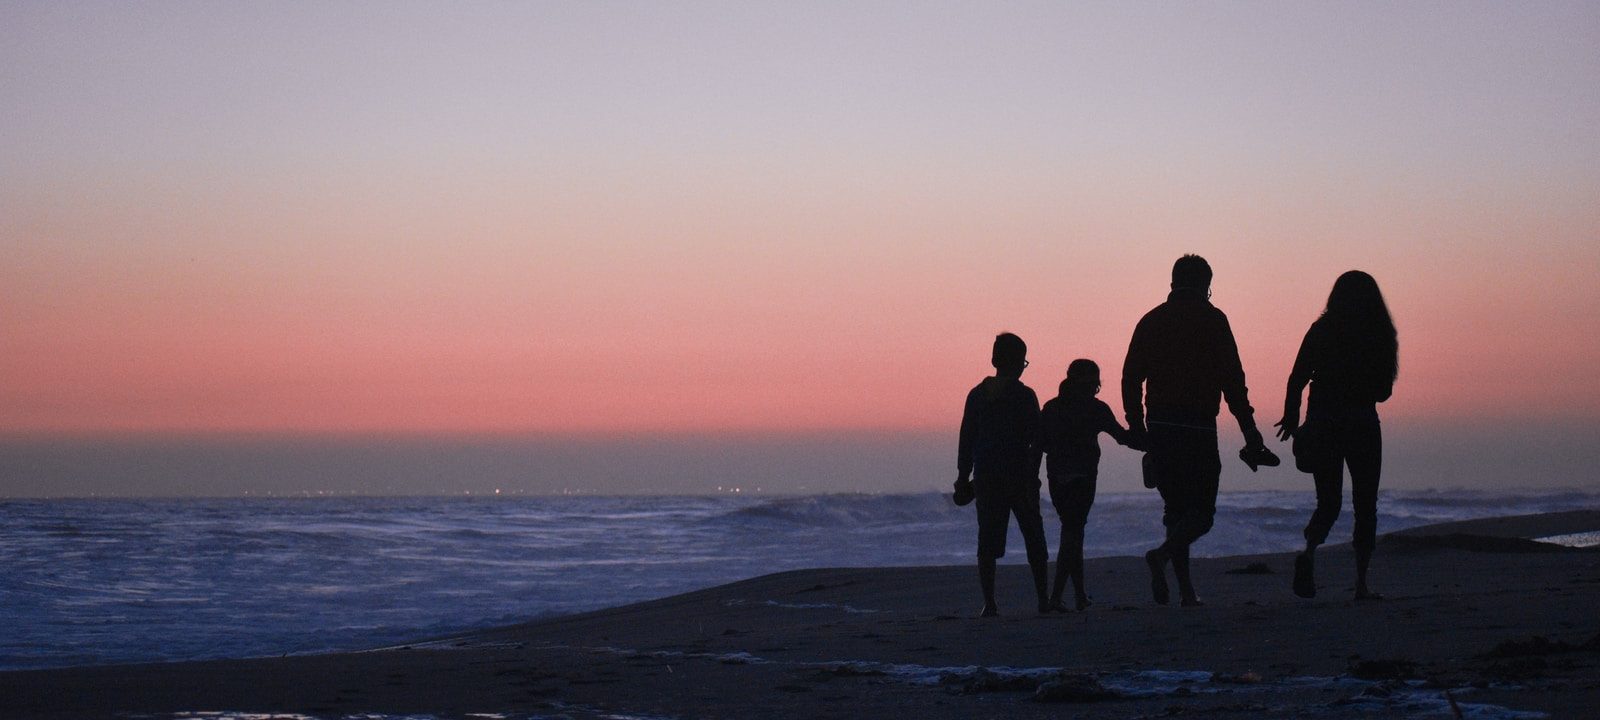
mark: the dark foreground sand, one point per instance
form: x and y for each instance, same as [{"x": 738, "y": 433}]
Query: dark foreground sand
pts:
[{"x": 1465, "y": 604}]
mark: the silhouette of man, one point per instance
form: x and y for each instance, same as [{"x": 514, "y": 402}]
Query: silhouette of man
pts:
[
  {"x": 999, "y": 455},
  {"x": 1182, "y": 357}
]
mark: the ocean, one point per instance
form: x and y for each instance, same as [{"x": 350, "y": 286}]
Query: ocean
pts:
[{"x": 95, "y": 581}]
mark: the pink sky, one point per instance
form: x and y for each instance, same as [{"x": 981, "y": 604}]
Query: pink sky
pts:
[{"x": 575, "y": 219}]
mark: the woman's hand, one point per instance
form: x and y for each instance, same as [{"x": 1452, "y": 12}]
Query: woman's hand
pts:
[{"x": 1286, "y": 427}]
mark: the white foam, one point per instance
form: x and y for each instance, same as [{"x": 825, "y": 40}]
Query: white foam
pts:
[{"x": 1577, "y": 540}]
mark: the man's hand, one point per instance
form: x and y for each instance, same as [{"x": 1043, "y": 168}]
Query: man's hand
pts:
[{"x": 1253, "y": 439}]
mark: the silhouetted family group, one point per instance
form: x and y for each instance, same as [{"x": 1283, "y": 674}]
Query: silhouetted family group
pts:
[{"x": 1181, "y": 362}]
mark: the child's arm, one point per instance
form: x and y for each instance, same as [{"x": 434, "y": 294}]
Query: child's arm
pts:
[
  {"x": 964, "y": 444},
  {"x": 1109, "y": 425},
  {"x": 1036, "y": 437}
]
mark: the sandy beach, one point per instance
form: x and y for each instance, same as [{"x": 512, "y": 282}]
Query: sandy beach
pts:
[{"x": 1477, "y": 618}]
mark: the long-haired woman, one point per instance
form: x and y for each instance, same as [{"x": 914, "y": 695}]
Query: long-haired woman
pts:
[{"x": 1350, "y": 358}]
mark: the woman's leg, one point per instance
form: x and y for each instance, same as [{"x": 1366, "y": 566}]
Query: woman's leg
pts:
[
  {"x": 1366, "y": 466},
  {"x": 1330, "y": 495}
]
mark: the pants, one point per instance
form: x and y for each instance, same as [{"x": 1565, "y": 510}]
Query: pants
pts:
[
  {"x": 1356, "y": 441},
  {"x": 996, "y": 504},
  {"x": 1188, "y": 470}
]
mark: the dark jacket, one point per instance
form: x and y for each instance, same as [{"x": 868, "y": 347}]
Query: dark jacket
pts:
[
  {"x": 1182, "y": 357},
  {"x": 1069, "y": 434},
  {"x": 999, "y": 430},
  {"x": 1349, "y": 373}
]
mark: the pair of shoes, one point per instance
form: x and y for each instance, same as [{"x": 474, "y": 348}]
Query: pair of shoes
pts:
[
  {"x": 1258, "y": 456},
  {"x": 1305, "y": 585},
  {"x": 1157, "y": 561}
]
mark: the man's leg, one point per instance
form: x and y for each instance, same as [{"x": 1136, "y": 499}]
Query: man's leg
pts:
[
  {"x": 1169, "y": 484},
  {"x": 1201, "y": 475}
]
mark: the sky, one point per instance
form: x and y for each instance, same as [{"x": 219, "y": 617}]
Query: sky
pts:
[{"x": 712, "y": 223}]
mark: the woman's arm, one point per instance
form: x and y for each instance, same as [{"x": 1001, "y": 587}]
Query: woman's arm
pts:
[{"x": 1299, "y": 376}]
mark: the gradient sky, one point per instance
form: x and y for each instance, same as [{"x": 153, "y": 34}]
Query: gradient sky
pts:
[{"x": 708, "y": 218}]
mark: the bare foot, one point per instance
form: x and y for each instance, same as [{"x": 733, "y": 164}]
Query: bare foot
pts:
[
  {"x": 1082, "y": 602},
  {"x": 1365, "y": 594},
  {"x": 1192, "y": 601},
  {"x": 989, "y": 610}
]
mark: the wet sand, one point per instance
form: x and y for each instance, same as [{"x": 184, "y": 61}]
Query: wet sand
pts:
[{"x": 1472, "y": 616}]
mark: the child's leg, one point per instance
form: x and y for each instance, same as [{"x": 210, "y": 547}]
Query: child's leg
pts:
[
  {"x": 1083, "y": 500},
  {"x": 993, "y": 516},
  {"x": 1029, "y": 522},
  {"x": 1059, "y": 586},
  {"x": 1058, "y": 498}
]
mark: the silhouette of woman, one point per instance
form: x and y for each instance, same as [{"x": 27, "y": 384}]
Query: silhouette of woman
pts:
[{"x": 1350, "y": 358}]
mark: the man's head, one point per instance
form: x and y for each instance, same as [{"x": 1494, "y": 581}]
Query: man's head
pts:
[
  {"x": 1010, "y": 355},
  {"x": 1191, "y": 272}
]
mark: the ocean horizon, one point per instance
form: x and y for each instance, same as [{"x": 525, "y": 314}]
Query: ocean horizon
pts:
[{"x": 118, "y": 580}]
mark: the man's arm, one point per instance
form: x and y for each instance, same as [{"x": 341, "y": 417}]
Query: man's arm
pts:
[
  {"x": 1135, "y": 370},
  {"x": 1233, "y": 388}
]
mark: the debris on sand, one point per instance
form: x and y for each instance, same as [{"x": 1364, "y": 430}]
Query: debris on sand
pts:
[{"x": 1073, "y": 687}]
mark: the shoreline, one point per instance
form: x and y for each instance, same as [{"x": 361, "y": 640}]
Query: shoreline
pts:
[{"x": 1462, "y": 614}]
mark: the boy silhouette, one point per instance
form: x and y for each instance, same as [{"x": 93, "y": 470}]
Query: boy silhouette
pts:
[{"x": 998, "y": 458}]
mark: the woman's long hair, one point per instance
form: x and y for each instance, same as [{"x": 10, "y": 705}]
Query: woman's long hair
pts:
[{"x": 1357, "y": 312}]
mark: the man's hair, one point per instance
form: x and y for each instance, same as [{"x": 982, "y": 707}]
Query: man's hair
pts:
[
  {"x": 1008, "y": 348},
  {"x": 1191, "y": 271}
]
